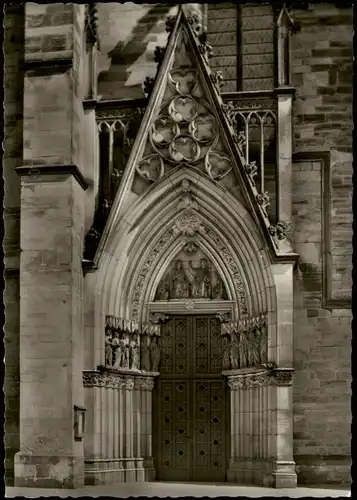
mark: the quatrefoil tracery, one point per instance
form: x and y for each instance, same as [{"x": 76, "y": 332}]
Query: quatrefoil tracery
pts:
[{"x": 185, "y": 132}]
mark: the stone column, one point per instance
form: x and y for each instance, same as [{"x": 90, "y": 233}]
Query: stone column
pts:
[
  {"x": 268, "y": 422},
  {"x": 284, "y": 157},
  {"x": 51, "y": 280},
  {"x": 140, "y": 473},
  {"x": 130, "y": 475},
  {"x": 284, "y": 466},
  {"x": 146, "y": 384}
]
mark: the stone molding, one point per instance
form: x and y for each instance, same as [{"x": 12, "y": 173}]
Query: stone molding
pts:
[
  {"x": 35, "y": 170},
  {"x": 112, "y": 379},
  {"x": 248, "y": 379}
]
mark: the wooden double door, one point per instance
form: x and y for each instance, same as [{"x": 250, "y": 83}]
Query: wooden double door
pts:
[{"x": 190, "y": 414}]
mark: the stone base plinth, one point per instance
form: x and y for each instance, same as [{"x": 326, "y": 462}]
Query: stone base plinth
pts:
[
  {"x": 106, "y": 471},
  {"x": 48, "y": 471},
  {"x": 284, "y": 475},
  {"x": 150, "y": 471},
  {"x": 267, "y": 473}
]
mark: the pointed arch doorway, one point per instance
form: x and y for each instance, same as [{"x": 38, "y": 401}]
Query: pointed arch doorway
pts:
[{"x": 190, "y": 413}]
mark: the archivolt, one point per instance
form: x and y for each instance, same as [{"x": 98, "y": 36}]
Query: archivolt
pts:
[{"x": 144, "y": 242}]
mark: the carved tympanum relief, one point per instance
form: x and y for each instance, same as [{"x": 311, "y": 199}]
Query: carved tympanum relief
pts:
[
  {"x": 191, "y": 275},
  {"x": 185, "y": 132}
]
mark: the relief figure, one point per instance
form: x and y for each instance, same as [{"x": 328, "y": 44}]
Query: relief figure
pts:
[
  {"x": 108, "y": 348},
  {"x": 145, "y": 353},
  {"x": 234, "y": 353},
  {"x": 226, "y": 362},
  {"x": 117, "y": 350},
  {"x": 155, "y": 353},
  {"x": 134, "y": 355},
  {"x": 180, "y": 284}
]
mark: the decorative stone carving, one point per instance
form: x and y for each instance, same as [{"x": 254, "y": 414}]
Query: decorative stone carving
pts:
[
  {"x": 187, "y": 199},
  {"x": 206, "y": 50},
  {"x": 122, "y": 344},
  {"x": 283, "y": 377},
  {"x": 264, "y": 201},
  {"x": 144, "y": 383},
  {"x": 252, "y": 170},
  {"x": 148, "y": 85},
  {"x": 195, "y": 23},
  {"x": 159, "y": 55},
  {"x": 158, "y": 318},
  {"x": 151, "y": 168},
  {"x": 95, "y": 378},
  {"x": 217, "y": 79},
  {"x": 272, "y": 377},
  {"x": 224, "y": 317},
  {"x": 240, "y": 139},
  {"x": 170, "y": 23},
  {"x": 279, "y": 232},
  {"x": 147, "y": 266},
  {"x": 191, "y": 248},
  {"x": 188, "y": 224},
  {"x": 227, "y": 256},
  {"x": 191, "y": 276}
]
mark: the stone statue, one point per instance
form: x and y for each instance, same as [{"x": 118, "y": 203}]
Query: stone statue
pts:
[
  {"x": 116, "y": 349},
  {"x": 163, "y": 292},
  {"x": 145, "y": 354},
  {"x": 226, "y": 362},
  {"x": 108, "y": 348},
  {"x": 255, "y": 346},
  {"x": 134, "y": 355},
  {"x": 125, "y": 354},
  {"x": 200, "y": 280},
  {"x": 155, "y": 353},
  {"x": 180, "y": 284},
  {"x": 234, "y": 353},
  {"x": 218, "y": 289},
  {"x": 243, "y": 350}
]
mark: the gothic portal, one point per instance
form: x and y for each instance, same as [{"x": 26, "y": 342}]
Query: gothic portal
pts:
[{"x": 157, "y": 286}]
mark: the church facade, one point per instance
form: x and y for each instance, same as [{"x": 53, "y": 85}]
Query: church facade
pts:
[{"x": 178, "y": 243}]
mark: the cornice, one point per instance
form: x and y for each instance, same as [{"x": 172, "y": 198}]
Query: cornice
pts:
[{"x": 35, "y": 170}]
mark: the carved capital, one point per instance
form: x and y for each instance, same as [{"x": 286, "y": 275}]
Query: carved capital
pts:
[
  {"x": 144, "y": 383},
  {"x": 283, "y": 377},
  {"x": 108, "y": 380}
]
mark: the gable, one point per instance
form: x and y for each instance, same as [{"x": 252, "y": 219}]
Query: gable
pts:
[{"x": 185, "y": 126}]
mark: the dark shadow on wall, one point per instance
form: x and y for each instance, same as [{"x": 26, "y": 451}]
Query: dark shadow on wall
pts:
[{"x": 111, "y": 83}]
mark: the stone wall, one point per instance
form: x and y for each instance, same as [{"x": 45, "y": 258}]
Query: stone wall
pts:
[
  {"x": 128, "y": 36},
  {"x": 13, "y": 145},
  {"x": 257, "y": 28},
  {"x": 322, "y": 216},
  {"x": 222, "y": 35}
]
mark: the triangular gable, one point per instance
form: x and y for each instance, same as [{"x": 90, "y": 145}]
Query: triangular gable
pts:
[{"x": 185, "y": 125}]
